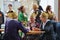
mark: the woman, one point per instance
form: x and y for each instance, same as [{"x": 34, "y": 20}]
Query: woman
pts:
[
  {"x": 11, "y": 29},
  {"x": 51, "y": 15},
  {"x": 35, "y": 11},
  {"x": 47, "y": 26},
  {"x": 33, "y": 24},
  {"x": 22, "y": 17}
]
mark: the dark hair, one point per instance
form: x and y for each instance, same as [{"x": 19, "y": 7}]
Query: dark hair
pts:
[
  {"x": 48, "y": 8},
  {"x": 10, "y": 5},
  {"x": 20, "y": 8}
]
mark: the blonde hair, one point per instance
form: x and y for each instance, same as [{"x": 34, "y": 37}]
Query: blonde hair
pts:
[
  {"x": 35, "y": 5},
  {"x": 12, "y": 15},
  {"x": 44, "y": 15}
]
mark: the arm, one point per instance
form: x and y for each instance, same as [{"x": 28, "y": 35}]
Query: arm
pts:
[
  {"x": 55, "y": 18},
  {"x": 49, "y": 28},
  {"x": 22, "y": 28}
]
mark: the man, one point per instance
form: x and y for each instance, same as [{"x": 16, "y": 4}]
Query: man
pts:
[
  {"x": 9, "y": 12},
  {"x": 47, "y": 26},
  {"x": 10, "y": 7}
]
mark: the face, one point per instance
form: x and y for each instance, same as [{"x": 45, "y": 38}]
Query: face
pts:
[
  {"x": 23, "y": 9},
  {"x": 32, "y": 19},
  {"x": 42, "y": 18},
  {"x": 50, "y": 8},
  {"x": 10, "y": 7}
]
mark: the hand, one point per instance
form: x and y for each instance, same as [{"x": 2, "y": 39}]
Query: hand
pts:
[{"x": 36, "y": 29}]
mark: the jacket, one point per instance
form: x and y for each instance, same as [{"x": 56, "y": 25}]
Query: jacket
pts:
[
  {"x": 49, "y": 31},
  {"x": 11, "y": 30}
]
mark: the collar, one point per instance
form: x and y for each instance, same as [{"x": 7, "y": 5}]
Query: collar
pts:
[{"x": 46, "y": 21}]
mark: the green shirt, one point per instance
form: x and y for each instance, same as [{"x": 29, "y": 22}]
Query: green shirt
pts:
[{"x": 22, "y": 18}]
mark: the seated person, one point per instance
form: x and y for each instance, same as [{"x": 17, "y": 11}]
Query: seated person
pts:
[
  {"x": 33, "y": 24},
  {"x": 11, "y": 29},
  {"x": 47, "y": 26}
]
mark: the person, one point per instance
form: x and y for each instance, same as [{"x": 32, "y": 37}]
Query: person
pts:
[
  {"x": 33, "y": 24},
  {"x": 12, "y": 27},
  {"x": 51, "y": 15},
  {"x": 1, "y": 18},
  {"x": 10, "y": 7},
  {"x": 36, "y": 12},
  {"x": 1, "y": 22},
  {"x": 46, "y": 26},
  {"x": 22, "y": 17},
  {"x": 9, "y": 12}
]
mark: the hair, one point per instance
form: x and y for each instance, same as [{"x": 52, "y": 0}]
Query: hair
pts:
[
  {"x": 12, "y": 15},
  {"x": 31, "y": 17},
  {"x": 20, "y": 8},
  {"x": 35, "y": 6},
  {"x": 48, "y": 8},
  {"x": 10, "y": 5},
  {"x": 44, "y": 15}
]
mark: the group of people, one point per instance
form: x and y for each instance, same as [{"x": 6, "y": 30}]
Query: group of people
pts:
[{"x": 39, "y": 20}]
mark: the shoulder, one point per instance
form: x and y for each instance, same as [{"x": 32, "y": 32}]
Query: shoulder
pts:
[
  {"x": 14, "y": 22},
  {"x": 49, "y": 23}
]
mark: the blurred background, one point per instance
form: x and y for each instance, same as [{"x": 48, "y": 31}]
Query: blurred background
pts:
[{"x": 28, "y": 4}]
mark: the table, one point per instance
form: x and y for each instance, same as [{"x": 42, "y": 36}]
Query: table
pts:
[
  {"x": 35, "y": 32},
  {"x": 31, "y": 35}
]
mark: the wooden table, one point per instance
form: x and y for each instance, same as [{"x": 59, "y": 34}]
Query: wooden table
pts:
[
  {"x": 31, "y": 35},
  {"x": 35, "y": 32}
]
